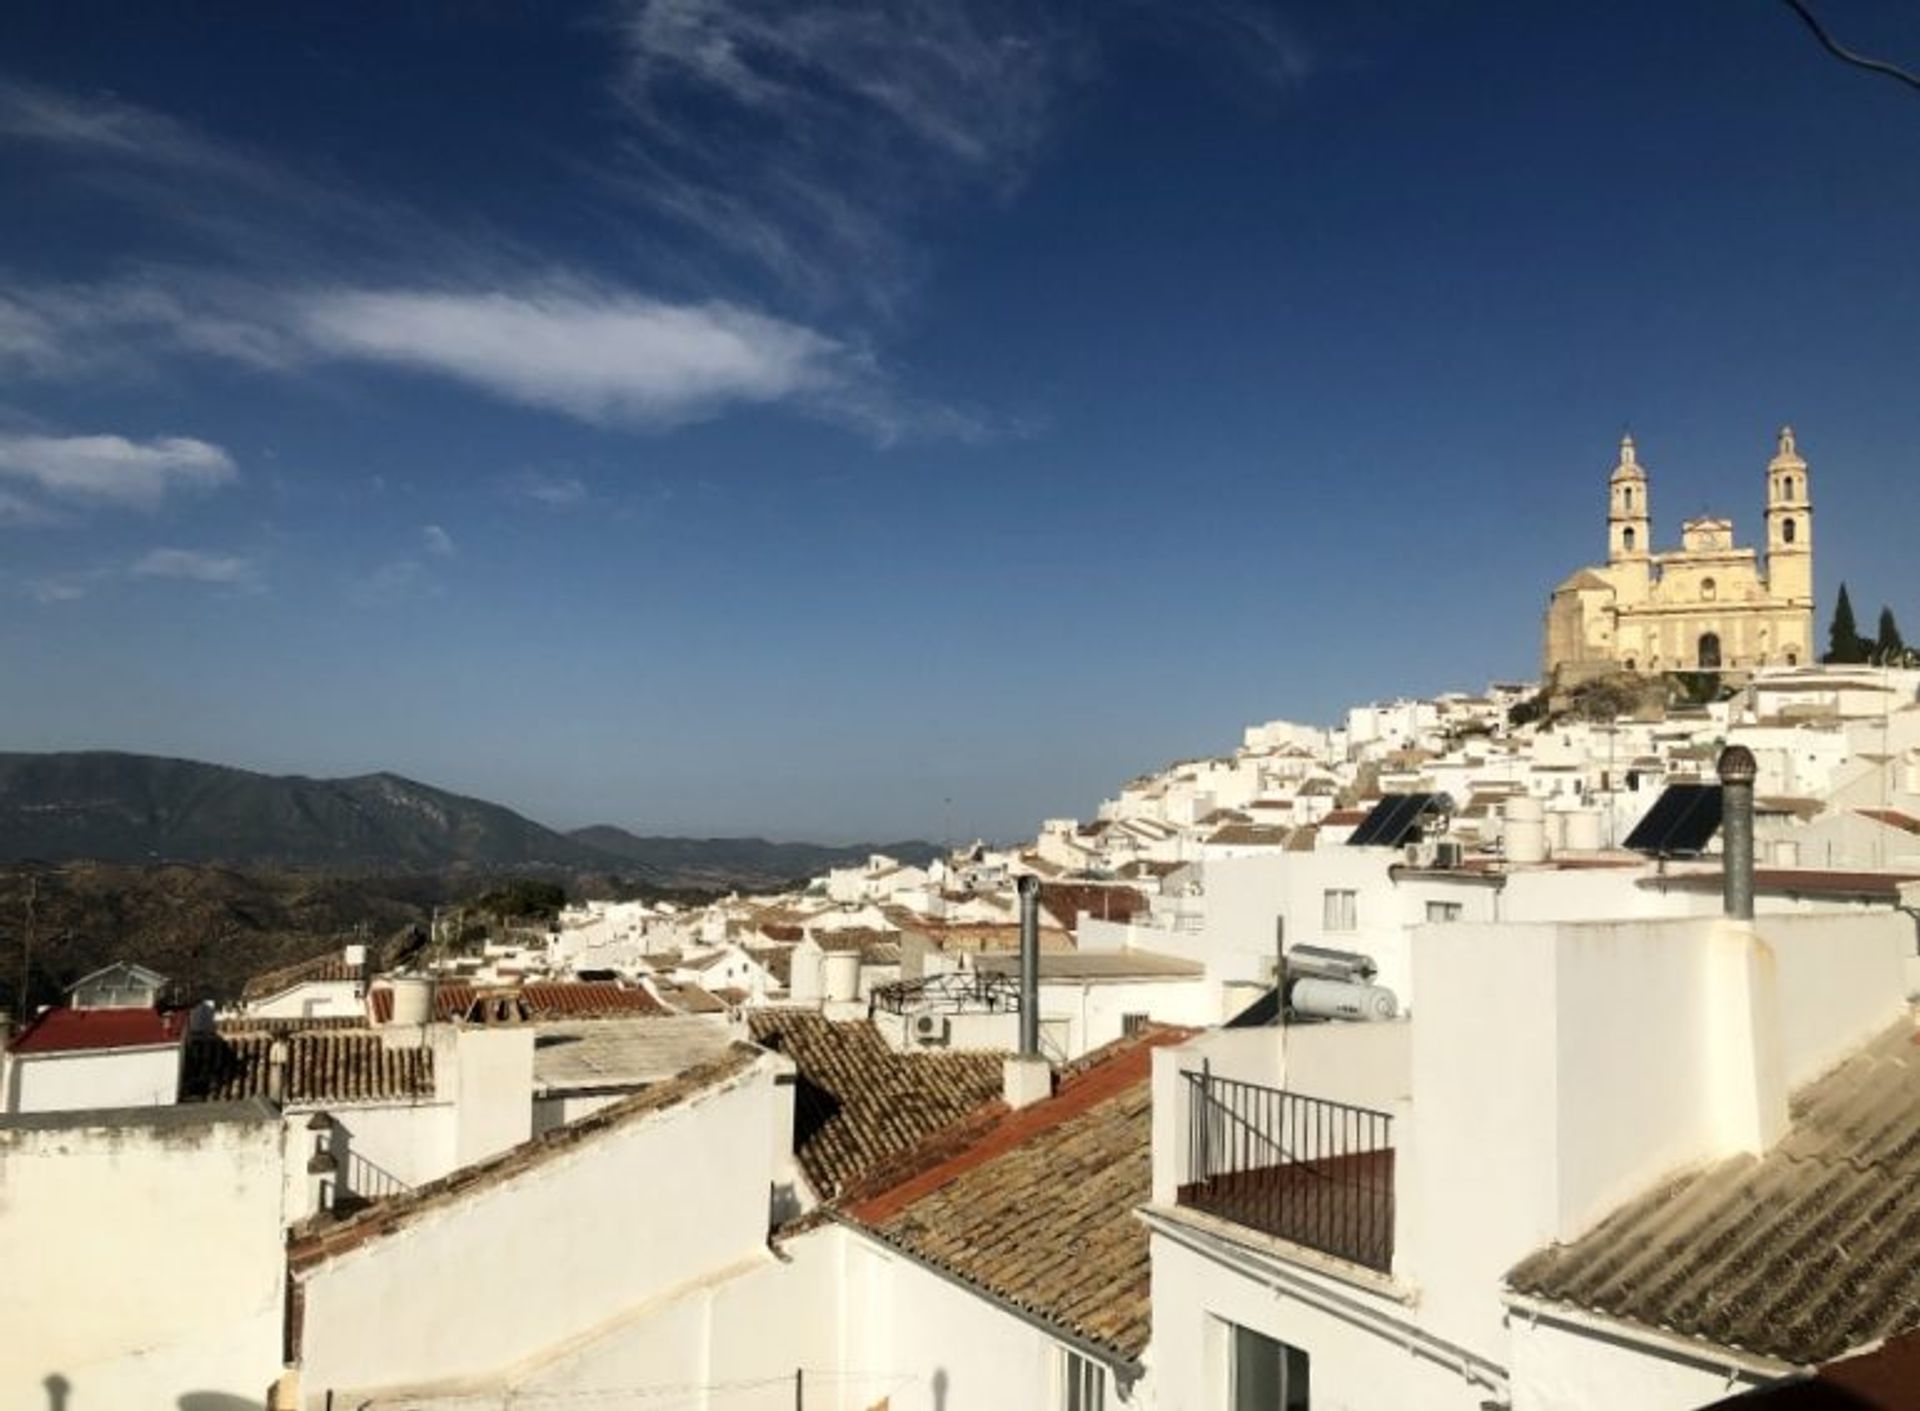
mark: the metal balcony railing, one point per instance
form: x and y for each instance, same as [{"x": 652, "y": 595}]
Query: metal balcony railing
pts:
[
  {"x": 1304, "y": 1169},
  {"x": 950, "y": 992}
]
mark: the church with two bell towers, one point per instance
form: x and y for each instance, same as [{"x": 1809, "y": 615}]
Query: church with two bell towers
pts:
[{"x": 1705, "y": 606}]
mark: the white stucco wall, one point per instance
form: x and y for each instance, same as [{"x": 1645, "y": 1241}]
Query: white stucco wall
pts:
[
  {"x": 143, "y": 1256},
  {"x": 1842, "y": 978},
  {"x": 106, "y": 1078},
  {"x": 1352, "y": 1366},
  {"x": 515, "y": 1268},
  {"x": 921, "y": 1342}
]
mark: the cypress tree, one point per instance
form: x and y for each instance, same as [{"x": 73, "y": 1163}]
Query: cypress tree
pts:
[
  {"x": 1887, "y": 646},
  {"x": 1845, "y": 646}
]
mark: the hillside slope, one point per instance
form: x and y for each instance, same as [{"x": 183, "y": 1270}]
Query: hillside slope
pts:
[{"x": 115, "y": 807}]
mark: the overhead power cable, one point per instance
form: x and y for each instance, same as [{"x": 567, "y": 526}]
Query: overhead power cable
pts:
[{"x": 1846, "y": 55}]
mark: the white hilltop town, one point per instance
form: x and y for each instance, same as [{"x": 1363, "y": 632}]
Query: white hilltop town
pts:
[{"x": 1542, "y": 1048}]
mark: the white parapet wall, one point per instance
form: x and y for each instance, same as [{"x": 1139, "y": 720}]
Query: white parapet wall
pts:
[{"x": 144, "y": 1257}]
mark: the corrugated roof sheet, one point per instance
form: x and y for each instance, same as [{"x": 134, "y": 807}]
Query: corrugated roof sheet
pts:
[
  {"x": 859, "y": 1104},
  {"x": 1802, "y": 1255}
]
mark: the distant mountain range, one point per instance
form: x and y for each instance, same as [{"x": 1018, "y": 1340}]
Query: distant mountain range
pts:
[
  {"x": 131, "y": 808},
  {"x": 742, "y": 861}
]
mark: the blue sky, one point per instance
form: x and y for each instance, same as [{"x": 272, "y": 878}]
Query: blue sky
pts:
[{"x": 899, "y": 418}]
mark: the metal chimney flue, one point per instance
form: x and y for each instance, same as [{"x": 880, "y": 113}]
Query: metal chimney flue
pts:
[
  {"x": 1029, "y": 967},
  {"x": 1737, "y": 770},
  {"x": 1027, "y": 1078}
]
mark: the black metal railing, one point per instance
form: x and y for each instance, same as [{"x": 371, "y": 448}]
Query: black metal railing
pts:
[
  {"x": 950, "y": 992},
  {"x": 368, "y": 1182},
  {"x": 1306, "y": 1169}
]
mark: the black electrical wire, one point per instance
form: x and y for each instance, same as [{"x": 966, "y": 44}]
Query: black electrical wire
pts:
[{"x": 1846, "y": 55}]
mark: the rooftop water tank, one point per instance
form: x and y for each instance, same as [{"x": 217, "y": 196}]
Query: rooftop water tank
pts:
[
  {"x": 1525, "y": 832},
  {"x": 842, "y": 975},
  {"x": 1342, "y": 999},
  {"x": 804, "y": 983},
  {"x": 412, "y": 999}
]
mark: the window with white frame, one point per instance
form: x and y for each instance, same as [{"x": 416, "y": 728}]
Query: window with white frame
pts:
[
  {"x": 1082, "y": 1383},
  {"x": 1339, "y": 911},
  {"x": 1265, "y": 1374},
  {"x": 1443, "y": 911}
]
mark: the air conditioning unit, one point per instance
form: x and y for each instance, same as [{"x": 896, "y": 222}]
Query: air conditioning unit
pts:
[
  {"x": 930, "y": 1028},
  {"x": 1449, "y": 853},
  {"x": 1419, "y": 854}
]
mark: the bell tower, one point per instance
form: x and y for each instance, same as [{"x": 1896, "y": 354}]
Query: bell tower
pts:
[
  {"x": 1789, "y": 526},
  {"x": 1629, "y": 525}
]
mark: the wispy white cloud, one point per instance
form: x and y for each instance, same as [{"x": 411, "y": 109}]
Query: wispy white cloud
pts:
[
  {"x": 816, "y": 141},
  {"x": 608, "y": 357},
  {"x": 437, "y": 541},
  {"x": 59, "y": 589},
  {"x": 840, "y": 120},
  {"x": 395, "y": 581},
  {"x": 19, "y": 512},
  {"x": 195, "y": 566},
  {"x": 114, "y": 469},
  {"x": 553, "y": 490}
]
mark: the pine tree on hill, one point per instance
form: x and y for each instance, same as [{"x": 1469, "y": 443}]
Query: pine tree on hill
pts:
[
  {"x": 1845, "y": 645},
  {"x": 1888, "y": 649}
]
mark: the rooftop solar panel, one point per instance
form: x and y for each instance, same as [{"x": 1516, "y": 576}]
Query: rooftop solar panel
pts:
[
  {"x": 1682, "y": 820},
  {"x": 1395, "y": 817}
]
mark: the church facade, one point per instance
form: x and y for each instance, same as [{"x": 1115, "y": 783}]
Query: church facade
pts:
[{"x": 1708, "y": 605}]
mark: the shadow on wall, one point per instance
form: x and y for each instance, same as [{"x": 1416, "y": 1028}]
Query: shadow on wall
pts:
[
  {"x": 1817, "y": 1396},
  {"x": 60, "y": 1390},
  {"x": 939, "y": 1389}
]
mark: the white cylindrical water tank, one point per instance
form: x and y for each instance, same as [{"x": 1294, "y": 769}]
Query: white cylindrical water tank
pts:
[
  {"x": 1526, "y": 830},
  {"x": 1342, "y": 999},
  {"x": 412, "y": 999},
  {"x": 842, "y": 974},
  {"x": 804, "y": 981},
  {"x": 1583, "y": 830}
]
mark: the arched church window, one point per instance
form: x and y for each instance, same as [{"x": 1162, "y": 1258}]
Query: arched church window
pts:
[
  {"x": 1626, "y": 499},
  {"x": 1787, "y": 531},
  {"x": 1626, "y": 538},
  {"x": 1709, "y": 590},
  {"x": 1709, "y": 651},
  {"x": 1786, "y": 487}
]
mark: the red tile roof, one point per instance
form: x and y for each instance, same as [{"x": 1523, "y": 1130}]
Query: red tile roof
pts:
[
  {"x": 65, "y": 1030},
  {"x": 589, "y": 999}
]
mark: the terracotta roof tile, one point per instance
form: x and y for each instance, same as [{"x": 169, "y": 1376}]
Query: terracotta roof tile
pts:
[
  {"x": 858, "y": 1103},
  {"x": 323, "y": 1066},
  {"x": 1035, "y": 1207},
  {"x": 554, "y": 999},
  {"x": 1803, "y": 1254}
]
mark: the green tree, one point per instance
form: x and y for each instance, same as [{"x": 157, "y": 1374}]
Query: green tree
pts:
[
  {"x": 1887, "y": 646},
  {"x": 523, "y": 898},
  {"x": 1845, "y": 645}
]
